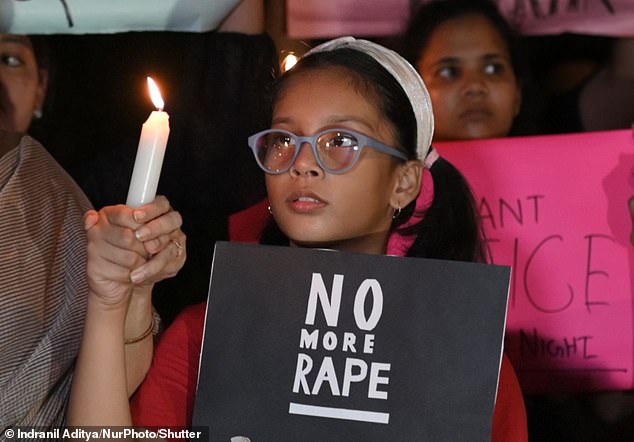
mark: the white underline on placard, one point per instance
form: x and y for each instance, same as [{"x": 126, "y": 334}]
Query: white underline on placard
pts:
[{"x": 339, "y": 413}]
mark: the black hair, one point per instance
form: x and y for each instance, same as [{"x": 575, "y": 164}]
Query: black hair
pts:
[
  {"x": 450, "y": 228},
  {"x": 40, "y": 46},
  {"x": 431, "y": 15}
]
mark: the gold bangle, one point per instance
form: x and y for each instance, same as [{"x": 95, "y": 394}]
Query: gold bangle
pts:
[{"x": 143, "y": 335}]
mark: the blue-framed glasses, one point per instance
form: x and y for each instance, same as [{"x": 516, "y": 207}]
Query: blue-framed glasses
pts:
[{"x": 336, "y": 150}]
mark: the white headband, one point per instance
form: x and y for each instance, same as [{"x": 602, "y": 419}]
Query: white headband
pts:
[{"x": 407, "y": 77}]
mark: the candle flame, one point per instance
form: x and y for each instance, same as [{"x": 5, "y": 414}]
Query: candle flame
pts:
[
  {"x": 289, "y": 61},
  {"x": 155, "y": 94}
]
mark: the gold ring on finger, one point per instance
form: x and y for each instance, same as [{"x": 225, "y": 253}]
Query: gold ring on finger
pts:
[{"x": 180, "y": 249}]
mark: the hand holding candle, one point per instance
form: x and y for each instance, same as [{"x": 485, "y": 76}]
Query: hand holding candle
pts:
[{"x": 149, "y": 156}]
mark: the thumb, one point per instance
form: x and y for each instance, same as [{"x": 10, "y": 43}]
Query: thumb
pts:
[{"x": 90, "y": 219}]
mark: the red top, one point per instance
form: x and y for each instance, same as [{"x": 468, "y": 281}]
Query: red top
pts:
[{"x": 166, "y": 397}]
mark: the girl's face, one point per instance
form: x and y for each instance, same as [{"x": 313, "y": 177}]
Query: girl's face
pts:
[
  {"x": 22, "y": 86},
  {"x": 351, "y": 211},
  {"x": 467, "y": 68}
]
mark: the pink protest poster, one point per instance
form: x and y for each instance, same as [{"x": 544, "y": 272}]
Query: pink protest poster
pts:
[
  {"x": 599, "y": 17},
  {"x": 555, "y": 208},
  {"x": 333, "y": 18}
]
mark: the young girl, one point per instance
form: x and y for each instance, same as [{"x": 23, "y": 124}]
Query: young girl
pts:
[{"x": 350, "y": 120}]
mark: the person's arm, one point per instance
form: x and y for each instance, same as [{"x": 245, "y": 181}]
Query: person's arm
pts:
[
  {"x": 139, "y": 342},
  {"x": 128, "y": 251}
]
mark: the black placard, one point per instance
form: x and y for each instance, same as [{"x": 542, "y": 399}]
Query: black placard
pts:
[{"x": 304, "y": 344}]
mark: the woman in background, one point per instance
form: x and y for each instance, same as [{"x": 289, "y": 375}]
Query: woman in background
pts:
[
  {"x": 467, "y": 54},
  {"x": 43, "y": 286}
]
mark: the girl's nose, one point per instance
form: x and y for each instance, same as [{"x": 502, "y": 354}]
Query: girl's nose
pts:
[{"x": 306, "y": 163}]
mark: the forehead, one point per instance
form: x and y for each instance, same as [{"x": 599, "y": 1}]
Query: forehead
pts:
[
  {"x": 330, "y": 85},
  {"x": 331, "y": 96},
  {"x": 464, "y": 36},
  {"x": 20, "y": 40}
]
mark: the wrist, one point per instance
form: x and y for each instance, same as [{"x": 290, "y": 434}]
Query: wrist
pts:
[
  {"x": 149, "y": 331},
  {"x": 108, "y": 298},
  {"x": 105, "y": 319},
  {"x": 141, "y": 320},
  {"x": 98, "y": 303}
]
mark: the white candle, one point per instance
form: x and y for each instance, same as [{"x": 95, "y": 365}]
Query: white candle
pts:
[{"x": 149, "y": 155}]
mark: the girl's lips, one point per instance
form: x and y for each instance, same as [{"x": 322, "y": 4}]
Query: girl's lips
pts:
[{"x": 305, "y": 202}]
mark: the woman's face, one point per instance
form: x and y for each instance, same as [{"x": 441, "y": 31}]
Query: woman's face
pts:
[
  {"x": 467, "y": 68},
  {"x": 351, "y": 211},
  {"x": 22, "y": 86}
]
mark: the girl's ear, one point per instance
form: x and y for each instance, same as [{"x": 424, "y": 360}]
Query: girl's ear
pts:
[{"x": 407, "y": 186}]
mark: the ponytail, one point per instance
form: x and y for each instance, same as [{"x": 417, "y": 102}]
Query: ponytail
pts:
[{"x": 450, "y": 228}]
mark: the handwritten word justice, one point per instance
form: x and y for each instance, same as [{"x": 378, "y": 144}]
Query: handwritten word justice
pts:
[
  {"x": 524, "y": 212},
  {"x": 356, "y": 370}
]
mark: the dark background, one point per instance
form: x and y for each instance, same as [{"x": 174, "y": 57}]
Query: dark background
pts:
[{"x": 214, "y": 86}]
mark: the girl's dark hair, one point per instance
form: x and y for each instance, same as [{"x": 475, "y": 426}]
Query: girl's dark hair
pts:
[
  {"x": 430, "y": 16},
  {"x": 450, "y": 227}
]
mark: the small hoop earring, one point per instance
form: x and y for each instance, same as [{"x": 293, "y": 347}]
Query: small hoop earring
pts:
[
  {"x": 269, "y": 209},
  {"x": 397, "y": 213},
  {"x": 37, "y": 114}
]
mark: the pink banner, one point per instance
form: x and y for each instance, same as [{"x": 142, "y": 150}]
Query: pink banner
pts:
[
  {"x": 599, "y": 17},
  {"x": 555, "y": 208},
  {"x": 333, "y": 18}
]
